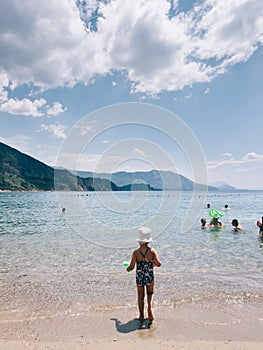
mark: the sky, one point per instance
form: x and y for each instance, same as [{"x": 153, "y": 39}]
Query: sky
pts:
[{"x": 117, "y": 71}]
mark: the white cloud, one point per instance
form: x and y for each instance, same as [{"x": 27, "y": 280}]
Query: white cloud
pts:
[
  {"x": 47, "y": 44},
  {"x": 229, "y": 31},
  {"x": 250, "y": 157},
  {"x": 4, "y": 82},
  {"x": 227, "y": 154},
  {"x": 57, "y": 130},
  {"x": 26, "y": 107},
  {"x": 56, "y": 109},
  {"x": 23, "y": 107},
  {"x": 235, "y": 171},
  {"x": 39, "y": 37}
]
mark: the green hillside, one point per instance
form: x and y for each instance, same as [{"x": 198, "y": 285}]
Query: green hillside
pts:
[{"x": 20, "y": 172}]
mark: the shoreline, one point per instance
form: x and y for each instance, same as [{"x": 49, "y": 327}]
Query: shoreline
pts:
[
  {"x": 131, "y": 345},
  {"x": 192, "y": 326}
]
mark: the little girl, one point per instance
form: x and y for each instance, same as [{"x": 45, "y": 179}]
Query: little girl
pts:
[{"x": 145, "y": 259}]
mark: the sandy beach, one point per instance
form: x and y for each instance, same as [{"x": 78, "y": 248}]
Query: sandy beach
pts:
[
  {"x": 194, "y": 326},
  {"x": 58, "y": 291},
  {"x": 133, "y": 344}
]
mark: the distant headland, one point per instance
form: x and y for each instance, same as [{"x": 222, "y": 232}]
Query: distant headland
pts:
[{"x": 21, "y": 172}]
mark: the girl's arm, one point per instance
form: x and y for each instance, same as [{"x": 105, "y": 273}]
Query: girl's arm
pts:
[
  {"x": 156, "y": 260},
  {"x": 132, "y": 263}
]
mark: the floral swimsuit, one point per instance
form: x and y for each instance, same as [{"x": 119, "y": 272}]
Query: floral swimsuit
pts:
[{"x": 144, "y": 271}]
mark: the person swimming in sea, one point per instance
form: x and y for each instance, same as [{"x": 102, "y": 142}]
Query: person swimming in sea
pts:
[
  {"x": 236, "y": 225},
  {"x": 215, "y": 223},
  {"x": 203, "y": 223},
  {"x": 260, "y": 226}
]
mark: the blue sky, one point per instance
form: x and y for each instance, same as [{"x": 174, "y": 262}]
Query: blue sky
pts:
[{"x": 201, "y": 60}]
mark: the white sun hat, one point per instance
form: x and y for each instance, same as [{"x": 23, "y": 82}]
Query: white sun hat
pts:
[{"x": 144, "y": 235}]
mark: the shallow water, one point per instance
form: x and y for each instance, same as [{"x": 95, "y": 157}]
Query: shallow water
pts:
[{"x": 51, "y": 261}]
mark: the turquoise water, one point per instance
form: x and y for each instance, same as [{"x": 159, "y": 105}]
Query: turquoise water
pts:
[{"x": 54, "y": 261}]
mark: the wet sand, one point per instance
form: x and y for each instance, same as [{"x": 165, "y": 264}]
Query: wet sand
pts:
[{"x": 192, "y": 326}]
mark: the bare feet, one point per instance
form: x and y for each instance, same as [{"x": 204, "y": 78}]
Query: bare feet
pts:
[{"x": 150, "y": 315}]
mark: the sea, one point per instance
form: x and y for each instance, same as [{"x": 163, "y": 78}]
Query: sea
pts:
[{"x": 54, "y": 262}]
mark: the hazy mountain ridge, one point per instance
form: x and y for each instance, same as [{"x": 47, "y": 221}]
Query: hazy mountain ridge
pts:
[
  {"x": 21, "y": 172},
  {"x": 222, "y": 186},
  {"x": 161, "y": 180}
]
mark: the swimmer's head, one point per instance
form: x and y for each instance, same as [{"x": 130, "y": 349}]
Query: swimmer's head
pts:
[
  {"x": 235, "y": 222},
  {"x": 203, "y": 221}
]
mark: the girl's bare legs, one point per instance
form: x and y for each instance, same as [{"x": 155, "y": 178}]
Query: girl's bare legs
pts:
[
  {"x": 150, "y": 301},
  {"x": 140, "y": 290}
]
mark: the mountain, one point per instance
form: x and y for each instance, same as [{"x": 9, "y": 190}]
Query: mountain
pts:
[
  {"x": 65, "y": 181},
  {"x": 222, "y": 186},
  {"x": 137, "y": 187},
  {"x": 161, "y": 180},
  {"x": 20, "y": 172}
]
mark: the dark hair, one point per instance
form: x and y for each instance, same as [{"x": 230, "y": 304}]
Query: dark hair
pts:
[{"x": 235, "y": 222}]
